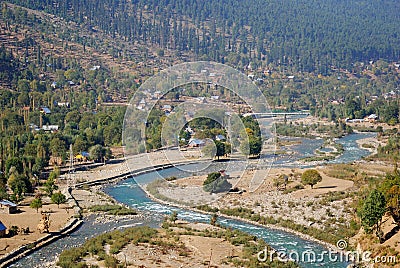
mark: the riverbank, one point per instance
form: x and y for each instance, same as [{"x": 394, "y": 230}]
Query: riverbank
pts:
[
  {"x": 229, "y": 203},
  {"x": 63, "y": 221},
  {"x": 276, "y": 227},
  {"x": 271, "y": 226},
  {"x": 276, "y": 172},
  {"x": 88, "y": 196}
]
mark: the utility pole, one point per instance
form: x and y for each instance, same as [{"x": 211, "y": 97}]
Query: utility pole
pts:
[
  {"x": 71, "y": 181},
  {"x": 209, "y": 263}
]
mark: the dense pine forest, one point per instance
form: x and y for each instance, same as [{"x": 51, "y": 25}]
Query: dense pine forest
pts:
[
  {"x": 309, "y": 36},
  {"x": 68, "y": 69},
  {"x": 79, "y": 58}
]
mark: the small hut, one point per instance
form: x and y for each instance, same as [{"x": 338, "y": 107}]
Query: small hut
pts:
[
  {"x": 3, "y": 230},
  {"x": 8, "y": 206}
]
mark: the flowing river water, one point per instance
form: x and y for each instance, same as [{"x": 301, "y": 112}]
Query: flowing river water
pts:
[{"x": 128, "y": 192}]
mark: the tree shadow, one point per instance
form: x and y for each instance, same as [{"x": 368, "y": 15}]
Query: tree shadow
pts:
[
  {"x": 326, "y": 187},
  {"x": 18, "y": 211},
  {"x": 392, "y": 232}
]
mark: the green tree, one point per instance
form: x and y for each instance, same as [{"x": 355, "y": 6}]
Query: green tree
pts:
[
  {"x": 87, "y": 121},
  {"x": 372, "y": 211},
  {"x": 216, "y": 183},
  {"x": 174, "y": 216},
  {"x": 58, "y": 198},
  {"x": 97, "y": 153},
  {"x": 213, "y": 219},
  {"x": 72, "y": 118},
  {"x": 19, "y": 185},
  {"x": 393, "y": 202},
  {"x": 36, "y": 204},
  {"x": 23, "y": 85},
  {"x": 251, "y": 147},
  {"x": 3, "y": 191},
  {"x": 310, "y": 177},
  {"x": 255, "y": 145},
  {"x": 80, "y": 145},
  {"x": 282, "y": 179},
  {"x": 209, "y": 150},
  {"x": 57, "y": 147},
  {"x": 220, "y": 146},
  {"x": 14, "y": 164},
  {"x": 50, "y": 185},
  {"x": 72, "y": 75}
]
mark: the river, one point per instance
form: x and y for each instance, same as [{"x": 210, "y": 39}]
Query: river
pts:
[{"x": 128, "y": 192}]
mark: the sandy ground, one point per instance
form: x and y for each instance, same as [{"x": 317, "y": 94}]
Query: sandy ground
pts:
[
  {"x": 302, "y": 206},
  {"x": 90, "y": 197},
  {"x": 28, "y": 217}
]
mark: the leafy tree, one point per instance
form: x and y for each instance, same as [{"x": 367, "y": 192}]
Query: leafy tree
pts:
[
  {"x": 36, "y": 204},
  {"x": 372, "y": 211},
  {"x": 23, "y": 85},
  {"x": 213, "y": 219},
  {"x": 58, "y": 198},
  {"x": 57, "y": 147},
  {"x": 38, "y": 167},
  {"x": 209, "y": 150},
  {"x": 227, "y": 148},
  {"x": 393, "y": 202},
  {"x": 80, "y": 145},
  {"x": 72, "y": 75},
  {"x": 72, "y": 118},
  {"x": 3, "y": 191},
  {"x": 184, "y": 135},
  {"x": 99, "y": 153},
  {"x": 390, "y": 113},
  {"x": 50, "y": 185},
  {"x": 390, "y": 187},
  {"x": 255, "y": 145},
  {"x": 174, "y": 216},
  {"x": 281, "y": 180},
  {"x": 16, "y": 163},
  {"x": 252, "y": 142},
  {"x": 87, "y": 121},
  {"x": 310, "y": 177},
  {"x": 216, "y": 183},
  {"x": 19, "y": 185},
  {"x": 220, "y": 146}
]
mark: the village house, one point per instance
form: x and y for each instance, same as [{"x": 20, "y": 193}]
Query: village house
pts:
[
  {"x": 220, "y": 137},
  {"x": 166, "y": 108},
  {"x": 8, "y": 207},
  {"x": 45, "y": 110},
  {"x": 196, "y": 143},
  {"x": 189, "y": 130},
  {"x": 94, "y": 68},
  {"x": 63, "y": 104},
  {"x": 51, "y": 128},
  {"x": 371, "y": 118},
  {"x": 201, "y": 99},
  {"x": 3, "y": 230},
  {"x": 83, "y": 156}
]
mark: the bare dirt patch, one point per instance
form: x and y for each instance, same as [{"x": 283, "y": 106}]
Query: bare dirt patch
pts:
[{"x": 28, "y": 217}]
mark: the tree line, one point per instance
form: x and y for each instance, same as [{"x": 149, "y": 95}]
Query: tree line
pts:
[{"x": 313, "y": 36}]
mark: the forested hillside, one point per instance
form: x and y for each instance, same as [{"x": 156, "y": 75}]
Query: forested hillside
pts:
[{"x": 311, "y": 36}]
